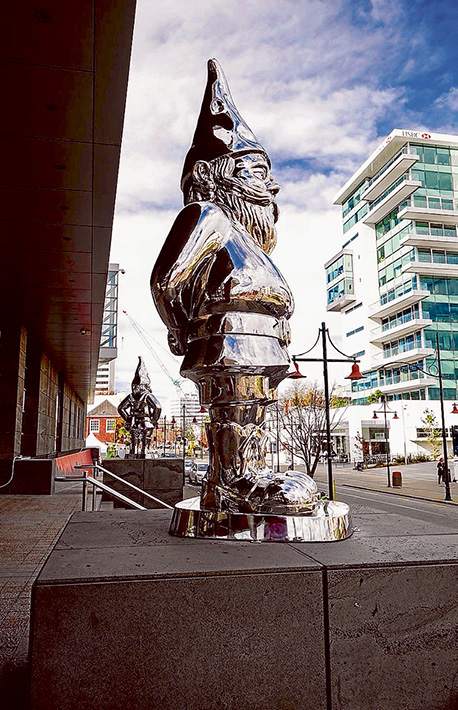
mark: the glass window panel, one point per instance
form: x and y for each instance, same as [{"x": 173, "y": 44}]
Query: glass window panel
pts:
[
  {"x": 449, "y": 230},
  {"x": 440, "y": 286},
  {"x": 438, "y": 256},
  {"x": 453, "y": 287},
  {"x": 418, "y": 175},
  {"x": 418, "y": 150},
  {"x": 432, "y": 179},
  {"x": 424, "y": 255},
  {"x": 429, "y": 155},
  {"x": 443, "y": 156},
  {"x": 447, "y": 204},
  {"x": 422, "y": 227},
  {"x": 452, "y": 257},
  {"x": 436, "y": 230},
  {"x": 419, "y": 201},
  {"x": 445, "y": 181}
]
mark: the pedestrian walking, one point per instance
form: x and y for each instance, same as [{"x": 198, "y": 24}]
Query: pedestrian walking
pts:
[{"x": 440, "y": 470}]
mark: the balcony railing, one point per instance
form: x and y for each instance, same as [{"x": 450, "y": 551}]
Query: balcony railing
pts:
[
  {"x": 397, "y": 166},
  {"x": 391, "y": 198},
  {"x": 379, "y": 310},
  {"x": 399, "y": 329}
]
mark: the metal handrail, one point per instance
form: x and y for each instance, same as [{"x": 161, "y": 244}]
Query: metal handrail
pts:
[
  {"x": 123, "y": 481},
  {"x": 98, "y": 484}
]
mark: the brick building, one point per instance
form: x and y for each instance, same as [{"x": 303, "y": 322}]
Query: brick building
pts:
[{"x": 102, "y": 421}]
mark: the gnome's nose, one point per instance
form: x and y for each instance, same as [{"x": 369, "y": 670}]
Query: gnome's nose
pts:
[{"x": 273, "y": 187}]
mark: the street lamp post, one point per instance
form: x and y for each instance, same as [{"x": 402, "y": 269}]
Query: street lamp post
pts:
[
  {"x": 385, "y": 411},
  {"x": 172, "y": 426},
  {"x": 448, "y": 495},
  {"x": 354, "y": 375},
  {"x": 183, "y": 433},
  {"x": 165, "y": 431}
]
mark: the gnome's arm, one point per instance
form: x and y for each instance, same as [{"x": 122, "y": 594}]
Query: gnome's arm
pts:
[
  {"x": 153, "y": 407},
  {"x": 179, "y": 276},
  {"x": 125, "y": 409}
]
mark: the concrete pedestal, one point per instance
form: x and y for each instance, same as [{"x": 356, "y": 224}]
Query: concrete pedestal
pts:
[
  {"x": 125, "y": 616},
  {"x": 162, "y": 478}
]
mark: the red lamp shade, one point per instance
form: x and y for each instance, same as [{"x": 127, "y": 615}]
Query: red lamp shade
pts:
[
  {"x": 296, "y": 375},
  {"x": 455, "y": 409},
  {"x": 355, "y": 374},
  {"x": 375, "y": 416}
]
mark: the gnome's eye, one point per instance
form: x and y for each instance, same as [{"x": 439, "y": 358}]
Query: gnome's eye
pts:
[{"x": 217, "y": 106}]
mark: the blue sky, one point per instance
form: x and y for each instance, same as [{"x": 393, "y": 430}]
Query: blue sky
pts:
[{"x": 321, "y": 83}]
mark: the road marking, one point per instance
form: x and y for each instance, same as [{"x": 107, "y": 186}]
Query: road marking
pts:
[{"x": 397, "y": 505}]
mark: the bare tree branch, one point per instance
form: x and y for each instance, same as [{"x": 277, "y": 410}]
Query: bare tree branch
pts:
[{"x": 302, "y": 420}]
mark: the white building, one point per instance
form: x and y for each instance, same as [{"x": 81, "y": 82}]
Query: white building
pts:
[{"x": 394, "y": 282}]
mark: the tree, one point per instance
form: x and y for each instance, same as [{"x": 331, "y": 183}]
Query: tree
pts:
[
  {"x": 433, "y": 432},
  {"x": 374, "y": 397},
  {"x": 302, "y": 418},
  {"x": 361, "y": 447}
]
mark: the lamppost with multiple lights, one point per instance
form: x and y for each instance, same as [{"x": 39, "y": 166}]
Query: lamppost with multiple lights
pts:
[
  {"x": 386, "y": 411},
  {"x": 355, "y": 374}
]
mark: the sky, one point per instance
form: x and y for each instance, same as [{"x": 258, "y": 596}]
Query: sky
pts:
[{"x": 320, "y": 82}]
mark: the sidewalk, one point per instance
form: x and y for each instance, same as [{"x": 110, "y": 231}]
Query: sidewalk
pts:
[{"x": 29, "y": 527}]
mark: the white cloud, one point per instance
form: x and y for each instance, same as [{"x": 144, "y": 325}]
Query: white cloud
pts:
[
  {"x": 305, "y": 77},
  {"x": 448, "y": 100}
]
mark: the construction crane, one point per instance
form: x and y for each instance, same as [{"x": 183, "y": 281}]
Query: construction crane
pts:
[{"x": 143, "y": 335}]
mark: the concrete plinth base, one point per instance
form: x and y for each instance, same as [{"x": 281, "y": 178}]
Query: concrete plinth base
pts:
[
  {"x": 125, "y": 616},
  {"x": 162, "y": 478}
]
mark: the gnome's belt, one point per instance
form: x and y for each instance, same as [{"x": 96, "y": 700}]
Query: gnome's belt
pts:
[{"x": 240, "y": 323}]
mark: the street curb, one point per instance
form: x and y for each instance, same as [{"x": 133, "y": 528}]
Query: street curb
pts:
[{"x": 398, "y": 493}]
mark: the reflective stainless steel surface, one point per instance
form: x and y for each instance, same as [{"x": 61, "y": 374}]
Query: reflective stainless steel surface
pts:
[
  {"x": 329, "y": 521},
  {"x": 140, "y": 410},
  {"x": 226, "y": 305}
]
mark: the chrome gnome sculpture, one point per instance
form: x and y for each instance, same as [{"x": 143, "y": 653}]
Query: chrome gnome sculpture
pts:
[
  {"x": 226, "y": 307},
  {"x": 140, "y": 410}
]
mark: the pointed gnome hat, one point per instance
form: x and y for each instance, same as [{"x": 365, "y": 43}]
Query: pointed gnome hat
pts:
[
  {"x": 141, "y": 376},
  {"x": 220, "y": 128}
]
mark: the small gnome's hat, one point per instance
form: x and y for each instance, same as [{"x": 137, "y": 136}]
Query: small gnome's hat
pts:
[
  {"x": 141, "y": 376},
  {"x": 220, "y": 128}
]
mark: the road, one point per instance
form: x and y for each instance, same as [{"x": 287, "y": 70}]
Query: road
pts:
[
  {"x": 430, "y": 513},
  {"x": 435, "y": 516}
]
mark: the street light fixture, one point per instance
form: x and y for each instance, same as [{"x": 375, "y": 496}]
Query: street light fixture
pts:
[
  {"x": 385, "y": 411},
  {"x": 172, "y": 426},
  {"x": 354, "y": 375}
]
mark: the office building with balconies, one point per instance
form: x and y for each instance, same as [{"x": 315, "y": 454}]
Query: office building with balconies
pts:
[{"x": 395, "y": 278}]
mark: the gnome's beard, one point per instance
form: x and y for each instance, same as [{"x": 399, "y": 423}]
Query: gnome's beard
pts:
[{"x": 258, "y": 219}]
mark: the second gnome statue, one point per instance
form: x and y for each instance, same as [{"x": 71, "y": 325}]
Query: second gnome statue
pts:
[{"x": 140, "y": 410}]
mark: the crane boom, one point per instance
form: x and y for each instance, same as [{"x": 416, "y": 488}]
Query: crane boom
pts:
[{"x": 140, "y": 332}]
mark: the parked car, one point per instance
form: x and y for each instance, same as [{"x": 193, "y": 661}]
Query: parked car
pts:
[
  {"x": 189, "y": 464},
  {"x": 197, "y": 473}
]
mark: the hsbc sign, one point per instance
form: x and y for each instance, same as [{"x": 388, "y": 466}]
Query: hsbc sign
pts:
[{"x": 415, "y": 134}]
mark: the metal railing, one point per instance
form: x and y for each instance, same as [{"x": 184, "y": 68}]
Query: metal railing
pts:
[{"x": 96, "y": 484}]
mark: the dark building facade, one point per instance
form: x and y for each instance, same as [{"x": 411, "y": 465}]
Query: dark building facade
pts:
[{"x": 65, "y": 68}]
